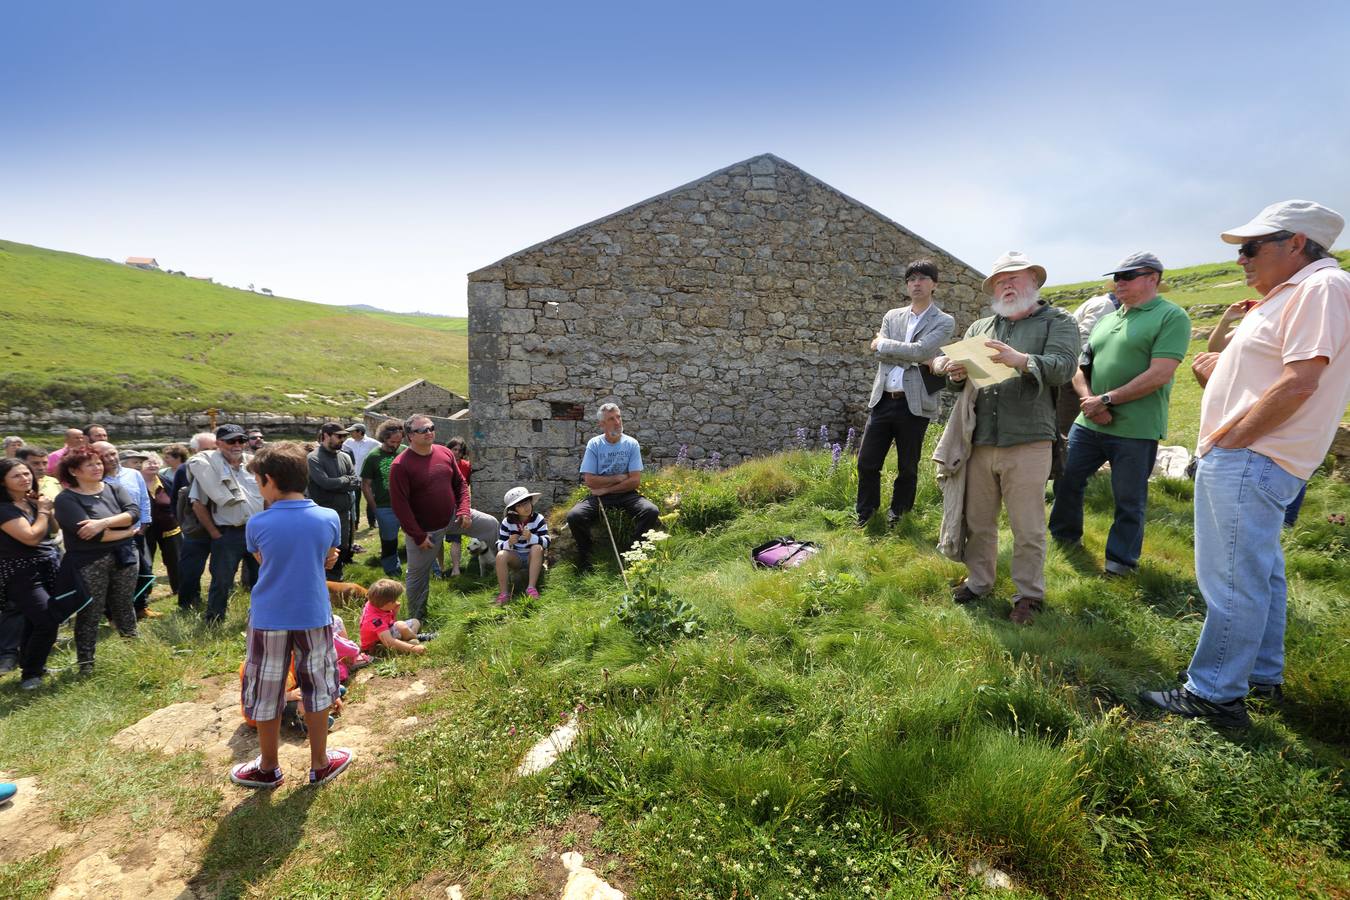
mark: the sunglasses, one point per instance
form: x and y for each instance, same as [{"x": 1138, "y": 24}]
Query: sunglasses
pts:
[
  {"x": 1250, "y": 248},
  {"x": 430, "y": 429},
  {"x": 235, "y": 440},
  {"x": 1131, "y": 276}
]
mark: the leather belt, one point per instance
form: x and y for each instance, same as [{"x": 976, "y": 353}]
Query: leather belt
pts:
[{"x": 894, "y": 395}]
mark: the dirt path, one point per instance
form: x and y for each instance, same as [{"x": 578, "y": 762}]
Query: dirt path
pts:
[{"x": 112, "y": 858}]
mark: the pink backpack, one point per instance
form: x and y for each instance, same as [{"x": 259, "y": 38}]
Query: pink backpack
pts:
[{"x": 784, "y": 553}]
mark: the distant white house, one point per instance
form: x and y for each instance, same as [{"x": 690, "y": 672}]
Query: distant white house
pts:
[{"x": 143, "y": 262}]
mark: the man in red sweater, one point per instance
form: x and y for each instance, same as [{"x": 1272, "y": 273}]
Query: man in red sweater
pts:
[{"x": 431, "y": 498}]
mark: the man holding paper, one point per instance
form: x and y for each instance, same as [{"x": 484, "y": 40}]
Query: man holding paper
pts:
[
  {"x": 1012, "y": 359},
  {"x": 902, "y": 404}
]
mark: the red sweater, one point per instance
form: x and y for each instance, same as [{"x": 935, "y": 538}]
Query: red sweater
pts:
[{"x": 426, "y": 492}]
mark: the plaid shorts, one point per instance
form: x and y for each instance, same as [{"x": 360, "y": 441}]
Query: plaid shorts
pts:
[{"x": 263, "y": 694}]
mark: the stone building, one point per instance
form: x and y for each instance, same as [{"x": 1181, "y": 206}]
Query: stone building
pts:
[
  {"x": 721, "y": 315},
  {"x": 420, "y": 396}
]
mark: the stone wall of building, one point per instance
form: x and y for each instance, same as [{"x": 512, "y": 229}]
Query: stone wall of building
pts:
[
  {"x": 722, "y": 315},
  {"x": 418, "y": 397},
  {"x": 148, "y": 423}
]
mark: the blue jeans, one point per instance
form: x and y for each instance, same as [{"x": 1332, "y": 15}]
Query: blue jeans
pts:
[
  {"x": 388, "y": 522},
  {"x": 227, "y": 552},
  {"x": 191, "y": 564},
  {"x": 1132, "y": 462},
  {"x": 1240, "y": 499}
]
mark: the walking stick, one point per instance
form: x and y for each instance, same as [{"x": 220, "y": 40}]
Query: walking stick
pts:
[{"x": 613, "y": 544}]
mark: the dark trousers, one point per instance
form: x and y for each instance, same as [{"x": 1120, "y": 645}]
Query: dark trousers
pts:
[
  {"x": 192, "y": 556},
  {"x": 889, "y": 422},
  {"x": 345, "y": 543},
  {"x": 27, "y": 593},
  {"x": 168, "y": 550},
  {"x": 581, "y": 517},
  {"x": 145, "y": 571},
  {"x": 227, "y": 552},
  {"x": 1132, "y": 462}
]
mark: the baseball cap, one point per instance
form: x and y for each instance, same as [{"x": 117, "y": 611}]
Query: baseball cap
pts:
[
  {"x": 332, "y": 428},
  {"x": 229, "y": 431},
  {"x": 1140, "y": 260},
  {"x": 1299, "y": 216},
  {"x": 357, "y": 426}
]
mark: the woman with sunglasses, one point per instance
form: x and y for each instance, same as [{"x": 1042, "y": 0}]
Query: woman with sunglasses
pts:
[
  {"x": 97, "y": 520},
  {"x": 27, "y": 567}
]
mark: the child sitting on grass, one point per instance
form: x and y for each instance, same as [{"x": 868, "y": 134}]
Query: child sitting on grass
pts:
[
  {"x": 522, "y": 539},
  {"x": 380, "y": 624},
  {"x": 290, "y": 619}
]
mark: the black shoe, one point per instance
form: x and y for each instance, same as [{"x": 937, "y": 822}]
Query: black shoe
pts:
[
  {"x": 1265, "y": 693},
  {"x": 1181, "y": 702},
  {"x": 8, "y": 664},
  {"x": 963, "y": 594}
]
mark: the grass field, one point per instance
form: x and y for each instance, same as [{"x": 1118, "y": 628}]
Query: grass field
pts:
[
  {"x": 109, "y": 336},
  {"x": 839, "y": 730}
]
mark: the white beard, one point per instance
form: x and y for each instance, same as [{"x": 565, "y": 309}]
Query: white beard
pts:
[{"x": 1017, "y": 306}]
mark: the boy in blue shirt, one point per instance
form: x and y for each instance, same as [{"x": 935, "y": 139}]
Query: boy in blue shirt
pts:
[
  {"x": 294, "y": 541},
  {"x": 611, "y": 469}
]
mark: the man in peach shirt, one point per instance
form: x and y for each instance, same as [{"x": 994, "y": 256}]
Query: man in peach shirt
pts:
[{"x": 1273, "y": 399}]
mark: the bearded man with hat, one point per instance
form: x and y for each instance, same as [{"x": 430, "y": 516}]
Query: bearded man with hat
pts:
[
  {"x": 1132, "y": 353},
  {"x": 1273, "y": 399},
  {"x": 332, "y": 483},
  {"x": 1014, "y": 429}
]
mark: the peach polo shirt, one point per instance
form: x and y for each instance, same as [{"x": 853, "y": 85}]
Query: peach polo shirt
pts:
[{"x": 1306, "y": 317}]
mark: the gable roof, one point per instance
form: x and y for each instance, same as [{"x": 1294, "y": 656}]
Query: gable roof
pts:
[
  {"x": 141, "y": 261},
  {"x": 412, "y": 384},
  {"x": 778, "y": 161}
]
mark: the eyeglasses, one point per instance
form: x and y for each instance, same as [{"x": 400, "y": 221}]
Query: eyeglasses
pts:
[
  {"x": 430, "y": 429},
  {"x": 1250, "y": 248},
  {"x": 235, "y": 440},
  {"x": 1131, "y": 276}
]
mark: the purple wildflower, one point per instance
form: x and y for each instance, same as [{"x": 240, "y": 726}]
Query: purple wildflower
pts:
[
  {"x": 835, "y": 452},
  {"x": 824, "y": 437},
  {"x": 801, "y": 438},
  {"x": 682, "y": 458},
  {"x": 848, "y": 443},
  {"x": 715, "y": 461}
]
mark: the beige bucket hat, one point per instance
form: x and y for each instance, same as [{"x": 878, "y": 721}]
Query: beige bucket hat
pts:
[{"x": 1014, "y": 261}]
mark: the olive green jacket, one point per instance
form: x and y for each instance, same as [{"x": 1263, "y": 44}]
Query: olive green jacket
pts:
[{"x": 1022, "y": 409}]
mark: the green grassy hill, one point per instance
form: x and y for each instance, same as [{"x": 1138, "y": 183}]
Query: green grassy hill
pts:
[{"x": 113, "y": 337}]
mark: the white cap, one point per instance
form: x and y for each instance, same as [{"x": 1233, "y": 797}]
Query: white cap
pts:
[
  {"x": 1298, "y": 216},
  {"x": 516, "y": 495},
  {"x": 1014, "y": 261}
]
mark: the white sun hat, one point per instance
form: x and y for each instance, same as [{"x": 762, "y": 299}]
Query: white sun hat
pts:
[
  {"x": 516, "y": 495},
  {"x": 1298, "y": 216},
  {"x": 1014, "y": 261}
]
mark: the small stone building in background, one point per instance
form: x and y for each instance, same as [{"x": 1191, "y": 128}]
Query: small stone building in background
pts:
[
  {"x": 420, "y": 396},
  {"x": 721, "y": 315}
]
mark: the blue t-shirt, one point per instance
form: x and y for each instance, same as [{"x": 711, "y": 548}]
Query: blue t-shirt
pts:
[
  {"x": 604, "y": 458},
  {"x": 294, "y": 537}
]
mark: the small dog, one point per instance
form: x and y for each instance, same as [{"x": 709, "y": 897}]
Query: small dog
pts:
[
  {"x": 479, "y": 549},
  {"x": 343, "y": 592}
]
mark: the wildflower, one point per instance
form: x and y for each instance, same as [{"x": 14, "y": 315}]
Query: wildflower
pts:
[
  {"x": 835, "y": 452},
  {"x": 848, "y": 442},
  {"x": 682, "y": 458},
  {"x": 715, "y": 461},
  {"x": 825, "y": 437},
  {"x": 801, "y": 438}
]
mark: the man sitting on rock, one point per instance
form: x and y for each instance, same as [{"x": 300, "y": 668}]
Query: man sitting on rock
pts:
[{"x": 611, "y": 469}]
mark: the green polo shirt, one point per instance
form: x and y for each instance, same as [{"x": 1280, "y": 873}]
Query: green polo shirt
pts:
[{"x": 1124, "y": 343}]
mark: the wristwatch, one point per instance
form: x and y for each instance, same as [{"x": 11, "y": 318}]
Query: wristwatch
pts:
[{"x": 1106, "y": 400}]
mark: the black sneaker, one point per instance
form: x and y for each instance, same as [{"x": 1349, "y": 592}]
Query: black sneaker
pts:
[
  {"x": 8, "y": 664},
  {"x": 425, "y": 636},
  {"x": 963, "y": 594},
  {"x": 1180, "y": 702},
  {"x": 1265, "y": 693}
]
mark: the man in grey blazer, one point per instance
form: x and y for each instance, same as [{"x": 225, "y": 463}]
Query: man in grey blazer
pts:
[{"x": 901, "y": 406}]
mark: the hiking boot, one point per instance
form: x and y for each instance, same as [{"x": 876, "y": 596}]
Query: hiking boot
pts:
[
  {"x": 338, "y": 760},
  {"x": 1024, "y": 610},
  {"x": 1180, "y": 702},
  {"x": 1257, "y": 693},
  {"x": 963, "y": 594},
  {"x": 252, "y": 775}
]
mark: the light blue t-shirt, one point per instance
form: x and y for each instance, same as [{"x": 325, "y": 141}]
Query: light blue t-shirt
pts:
[
  {"x": 294, "y": 537},
  {"x": 132, "y": 482},
  {"x": 604, "y": 458}
]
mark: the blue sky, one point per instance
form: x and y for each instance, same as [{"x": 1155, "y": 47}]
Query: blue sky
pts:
[{"x": 368, "y": 153}]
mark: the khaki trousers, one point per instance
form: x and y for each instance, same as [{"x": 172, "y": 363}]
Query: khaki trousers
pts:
[{"x": 1015, "y": 478}]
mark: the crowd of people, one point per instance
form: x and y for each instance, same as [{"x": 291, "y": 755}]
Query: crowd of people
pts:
[
  {"x": 80, "y": 527},
  {"x": 1275, "y": 387}
]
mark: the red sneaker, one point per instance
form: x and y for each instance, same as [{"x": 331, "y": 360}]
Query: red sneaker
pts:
[
  {"x": 252, "y": 775},
  {"x": 338, "y": 760}
]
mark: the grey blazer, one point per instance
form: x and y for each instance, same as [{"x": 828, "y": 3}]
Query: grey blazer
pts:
[{"x": 893, "y": 350}]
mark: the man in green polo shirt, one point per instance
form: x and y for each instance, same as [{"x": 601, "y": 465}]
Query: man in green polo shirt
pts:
[{"x": 1133, "y": 354}]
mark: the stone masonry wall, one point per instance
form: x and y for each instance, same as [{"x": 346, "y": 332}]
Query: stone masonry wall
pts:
[
  {"x": 426, "y": 397},
  {"x": 722, "y": 315}
]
